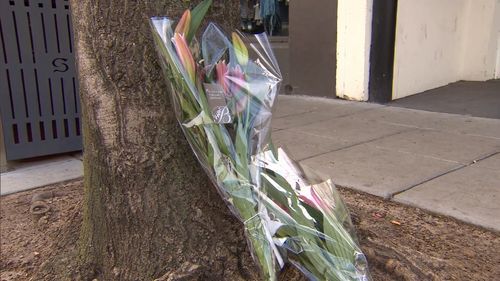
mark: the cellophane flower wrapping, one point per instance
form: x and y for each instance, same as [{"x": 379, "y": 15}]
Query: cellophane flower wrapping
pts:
[{"x": 223, "y": 89}]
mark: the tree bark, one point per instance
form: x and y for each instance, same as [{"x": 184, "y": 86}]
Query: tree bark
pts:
[{"x": 149, "y": 209}]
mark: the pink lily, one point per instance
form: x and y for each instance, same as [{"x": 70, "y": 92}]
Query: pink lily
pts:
[
  {"x": 311, "y": 198},
  {"x": 222, "y": 72},
  {"x": 183, "y": 25},
  {"x": 237, "y": 81},
  {"x": 236, "y": 78},
  {"x": 185, "y": 55}
]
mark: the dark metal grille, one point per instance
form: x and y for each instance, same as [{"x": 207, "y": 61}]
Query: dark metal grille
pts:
[{"x": 39, "y": 101}]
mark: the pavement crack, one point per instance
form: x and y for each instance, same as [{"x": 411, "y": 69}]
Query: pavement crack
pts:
[
  {"x": 351, "y": 145},
  {"x": 460, "y": 167}
]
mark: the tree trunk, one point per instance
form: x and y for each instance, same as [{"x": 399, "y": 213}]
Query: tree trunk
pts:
[{"x": 149, "y": 209}]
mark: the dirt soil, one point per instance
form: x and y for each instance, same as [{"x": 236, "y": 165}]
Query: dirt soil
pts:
[{"x": 401, "y": 243}]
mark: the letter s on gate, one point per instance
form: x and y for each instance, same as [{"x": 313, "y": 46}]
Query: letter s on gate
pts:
[{"x": 60, "y": 64}]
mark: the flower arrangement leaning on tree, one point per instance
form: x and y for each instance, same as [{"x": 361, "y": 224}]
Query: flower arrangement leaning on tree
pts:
[{"x": 223, "y": 90}]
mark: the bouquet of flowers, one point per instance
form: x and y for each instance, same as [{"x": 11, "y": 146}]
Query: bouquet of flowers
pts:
[{"x": 223, "y": 91}]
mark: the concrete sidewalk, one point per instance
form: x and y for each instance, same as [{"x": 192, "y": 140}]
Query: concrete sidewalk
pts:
[
  {"x": 445, "y": 163},
  {"x": 30, "y": 174}
]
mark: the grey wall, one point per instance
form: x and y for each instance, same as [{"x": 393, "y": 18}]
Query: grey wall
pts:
[
  {"x": 281, "y": 49},
  {"x": 313, "y": 39}
]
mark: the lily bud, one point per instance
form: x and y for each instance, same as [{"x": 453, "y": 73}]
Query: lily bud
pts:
[
  {"x": 183, "y": 25},
  {"x": 185, "y": 55},
  {"x": 240, "y": 49}
]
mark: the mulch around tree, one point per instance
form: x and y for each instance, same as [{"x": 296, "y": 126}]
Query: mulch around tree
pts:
[{"x": 401, "y": 242}]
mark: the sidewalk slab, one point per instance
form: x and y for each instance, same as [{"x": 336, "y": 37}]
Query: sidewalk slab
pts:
[
  {"x": 300, "y": 120},
  {"x": 381, "y": 172},
  {"x": 306, "y": 118},
  {"x": 27, "y": 163},
  {"x": 351, "y": 129},
  {"x": 471, "y": 194},
  {"x": 492, "y": 163},
  {"x": 442, "y": 145},
  {"x": 33, "y": 175},
  {"x": 436, "y": 121},
  {"x": 293, "y": 105},
  {"x": 301, "y": 145},
  {"x": 285, "y": 108}
]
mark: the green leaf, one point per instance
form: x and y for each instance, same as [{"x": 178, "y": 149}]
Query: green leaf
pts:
[{"x": 197, "y": 16}]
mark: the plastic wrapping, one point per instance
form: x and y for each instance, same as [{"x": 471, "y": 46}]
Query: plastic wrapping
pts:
[{"x": 223, "y": 90}]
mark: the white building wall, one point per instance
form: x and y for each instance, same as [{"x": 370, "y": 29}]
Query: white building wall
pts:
[
  {"x": 497, "y": 71},
  {"x": 480, "y": 44},
  {"x": 440, "y": 42},
  {"x": 497, "y": 24},
  {"x": 354, "y": 22}
]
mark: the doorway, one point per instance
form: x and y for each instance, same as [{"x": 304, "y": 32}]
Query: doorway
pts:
[
  {"x": 313, "y": 47},
  {"x": 303, "y": 35}
]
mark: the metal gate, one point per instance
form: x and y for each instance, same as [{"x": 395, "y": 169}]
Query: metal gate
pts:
[{"x": 39, "y": 101}]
